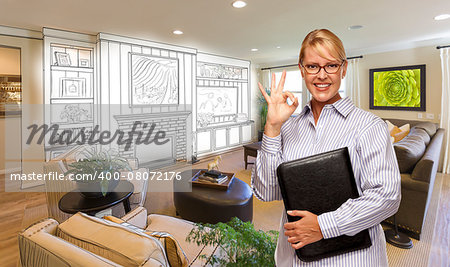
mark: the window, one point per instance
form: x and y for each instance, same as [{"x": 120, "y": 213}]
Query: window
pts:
[
  {"x": 343, "y": 88},
  {"x": 294, "y": 84}
]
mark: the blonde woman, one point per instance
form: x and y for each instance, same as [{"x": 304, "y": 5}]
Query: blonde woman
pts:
[{"x": 326, "y": 123}]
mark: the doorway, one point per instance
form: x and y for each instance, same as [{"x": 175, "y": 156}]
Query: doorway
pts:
[{"x": 10, "y": 110}]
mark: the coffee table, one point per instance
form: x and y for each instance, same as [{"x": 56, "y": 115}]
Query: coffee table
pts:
[
  {"x": 74, "y": 201},
  {"x": 212, "y": 205},
  {"x": 251, "y": 150}
]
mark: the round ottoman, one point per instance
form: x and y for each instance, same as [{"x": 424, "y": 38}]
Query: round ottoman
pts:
[{"x": 211, "y": 205}]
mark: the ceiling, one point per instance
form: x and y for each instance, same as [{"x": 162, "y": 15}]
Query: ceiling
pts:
[{"x": 214, "y": 26}]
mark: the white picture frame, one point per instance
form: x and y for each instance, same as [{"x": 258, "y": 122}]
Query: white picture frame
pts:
[
  {"x": 153, "y": 80},
  {"x": 73, "y": 87},
  {"x": 84, "y": 63},
  {"x": 62, "y": 59}
]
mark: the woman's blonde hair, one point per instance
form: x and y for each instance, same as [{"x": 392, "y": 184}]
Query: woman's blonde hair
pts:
[{"x": 323, "y": 38}]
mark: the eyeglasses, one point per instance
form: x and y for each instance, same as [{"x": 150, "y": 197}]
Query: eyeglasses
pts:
[{"x": 331, "y": 68}]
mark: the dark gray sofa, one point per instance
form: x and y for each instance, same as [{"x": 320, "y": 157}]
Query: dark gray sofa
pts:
[{"x": 417, "y": 178}]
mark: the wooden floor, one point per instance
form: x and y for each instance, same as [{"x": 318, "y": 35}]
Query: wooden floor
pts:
[
  {"x": 18, "y": 210},
  {"x": 440, "y": 248}
]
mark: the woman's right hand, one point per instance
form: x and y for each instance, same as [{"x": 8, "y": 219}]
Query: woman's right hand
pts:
[{"x": 279, "y": 110}]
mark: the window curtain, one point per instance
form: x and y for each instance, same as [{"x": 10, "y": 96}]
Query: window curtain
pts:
[
  {"x": 265, "y": 81},
  {"x": 445, "y": 105},
  {"x": 352, "y": 81},
  {"x": 265, "y": 78}
]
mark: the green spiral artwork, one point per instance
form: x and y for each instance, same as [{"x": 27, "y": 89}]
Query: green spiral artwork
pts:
[{"x": 398, "y": 88}]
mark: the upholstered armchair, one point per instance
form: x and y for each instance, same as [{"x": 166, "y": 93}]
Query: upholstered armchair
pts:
[{"x": 84, "y": 240}]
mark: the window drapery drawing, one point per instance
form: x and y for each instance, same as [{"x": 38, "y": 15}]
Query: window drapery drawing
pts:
[{"x": 215, "y": 104}]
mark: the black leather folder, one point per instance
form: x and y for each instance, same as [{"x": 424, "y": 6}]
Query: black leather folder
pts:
[{"x": 319, "y": 184}]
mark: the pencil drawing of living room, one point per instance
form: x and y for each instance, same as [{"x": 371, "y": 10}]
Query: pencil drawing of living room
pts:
[{"x": 121, "y": 137}]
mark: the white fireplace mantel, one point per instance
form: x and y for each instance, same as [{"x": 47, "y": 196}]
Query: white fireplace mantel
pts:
[{"x": 146, "y": 116}]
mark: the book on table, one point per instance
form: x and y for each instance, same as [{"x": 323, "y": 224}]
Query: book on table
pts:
[
  {"x": 321, "y": 183},
  {"x": 220, "y": 180}
]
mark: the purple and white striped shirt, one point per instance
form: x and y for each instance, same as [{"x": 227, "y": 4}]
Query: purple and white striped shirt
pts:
[{"x": 375, "y": 167}]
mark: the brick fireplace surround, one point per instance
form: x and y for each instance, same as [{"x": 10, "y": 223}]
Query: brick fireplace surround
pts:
[{"x": 174, "y": 124}]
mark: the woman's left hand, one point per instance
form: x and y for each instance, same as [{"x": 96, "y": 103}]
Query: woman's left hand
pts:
[{"x": 304, "y": 231}]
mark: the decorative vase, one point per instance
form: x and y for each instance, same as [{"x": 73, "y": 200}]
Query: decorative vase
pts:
[{"x": 93, "y": 189}]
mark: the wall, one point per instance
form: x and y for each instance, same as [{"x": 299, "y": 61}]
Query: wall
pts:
[
  {"x": 256, "y": 76},
  {"x": 30, "y": 44},
  {"x": 423, "y": 55},
  {"x": 222, "y": 104},
  {"x": 10, "y": 65},
  {"x": 9, "y": 61},
  {"x": 114, "y": 83}
]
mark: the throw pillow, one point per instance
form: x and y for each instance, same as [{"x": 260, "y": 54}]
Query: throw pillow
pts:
[
  {"x": 390, "y": 125},
  {"x": 101, "y": 238},
  {"x": 410, "y": 150},
  {"x": 405, "y": 127},
  {"x": 399, "y": 136},
  {"x": 429, "y": 127},
  {"x": 175, "y": 254},
  {"x": 422, "y": 133},
  {"x": 395, "y": 130},
  {"x": 397, "y": 133}
]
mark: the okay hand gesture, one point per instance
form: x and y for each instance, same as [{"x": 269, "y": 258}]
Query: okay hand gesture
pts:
[{"x": 279, "y": 110}]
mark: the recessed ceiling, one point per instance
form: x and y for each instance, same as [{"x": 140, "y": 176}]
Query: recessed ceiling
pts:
[{"x": 216, "y": 27}]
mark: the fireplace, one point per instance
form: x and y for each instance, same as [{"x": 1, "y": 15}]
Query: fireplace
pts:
[
  {"x": 173, "y": 124},
  {"x": 153, "y": 155}
]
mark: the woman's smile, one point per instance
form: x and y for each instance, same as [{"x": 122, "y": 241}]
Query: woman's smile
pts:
[{"x": 322, "y": 86}]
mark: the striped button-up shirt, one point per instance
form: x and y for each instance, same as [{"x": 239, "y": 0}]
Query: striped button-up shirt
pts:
[{"x": 375, "y": 167}]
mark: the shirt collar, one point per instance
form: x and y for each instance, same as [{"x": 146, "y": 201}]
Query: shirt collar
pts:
[{"x": 344, "y": 106}]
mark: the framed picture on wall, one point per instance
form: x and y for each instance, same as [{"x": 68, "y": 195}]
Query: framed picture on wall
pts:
[
  {"x": 73, "y": 87},
  {"x": 398, "y": 88},
  {"x": 84, "y": 63},
  {"x": 62, "y": 59},
  {"x": 153, "y": 80},
  {"x": 216, "y": 105}
]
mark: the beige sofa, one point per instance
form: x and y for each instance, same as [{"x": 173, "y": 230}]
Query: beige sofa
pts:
[{"x": 84, "y": 240}]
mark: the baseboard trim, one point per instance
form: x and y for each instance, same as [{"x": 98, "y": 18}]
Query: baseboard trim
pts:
[
  {"x": 31, "y": 184},
  {"x": 8, "y": 171}
]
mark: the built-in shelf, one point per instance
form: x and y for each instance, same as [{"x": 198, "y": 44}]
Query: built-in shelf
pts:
[
  {"x": 69, "y": 68},
  {"x": 69, "y": 79},
  {"x": 224, "y": 125},
  {"x": 66, "y": 125},
  {"x": 71, "y": 100},
  {"x": 223, "y": 79}
]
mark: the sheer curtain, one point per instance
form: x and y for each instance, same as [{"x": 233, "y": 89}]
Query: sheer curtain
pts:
[
  {"x": 265, "y": 79},
  {"x": 445, "y": 105},
  {"x": 352, "y": 81}
]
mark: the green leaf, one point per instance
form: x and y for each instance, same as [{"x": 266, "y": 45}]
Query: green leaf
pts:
[
  {"x": 98, "y": 161},
  {"x": 241, "y": 243}
]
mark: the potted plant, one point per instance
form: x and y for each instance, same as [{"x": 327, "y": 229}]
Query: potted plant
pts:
[
  {"x": 263, "y": 107},
  {"x": 240, "y": 243},
  {"x": 98, "y": 173}
]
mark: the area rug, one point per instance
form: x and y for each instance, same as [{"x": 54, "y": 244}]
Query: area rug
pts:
[
  {"x": 418, "y": 255},
  {"x": 266, "y": 216}
]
